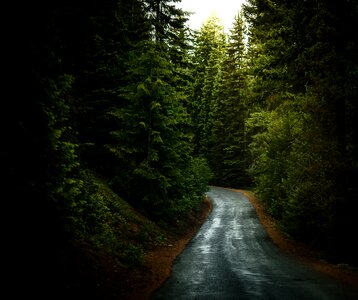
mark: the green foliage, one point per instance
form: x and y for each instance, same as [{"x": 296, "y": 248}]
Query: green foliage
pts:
[
  {"x": 133, "y": 255},
  {"x": 298, "y": 125},
  {"x": 208, "y": 56},
  {"x": 109, "y": 223},
  {"x": 193, "y": 184},
  {"x": 228, "y": 155},
  {"x": 152, "y": 143},
  {"x": 62, "y": 155}
]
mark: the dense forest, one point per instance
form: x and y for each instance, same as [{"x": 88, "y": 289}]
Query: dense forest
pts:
[{"x": 116, "y": 113}]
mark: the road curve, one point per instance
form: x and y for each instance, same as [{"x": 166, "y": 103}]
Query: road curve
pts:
[{"x": 232, "y": 257}]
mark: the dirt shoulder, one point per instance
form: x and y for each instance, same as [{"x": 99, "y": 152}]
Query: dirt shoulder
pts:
[
  {"x": 299, "y": 250},
  {"x": 159, "y": 261}
]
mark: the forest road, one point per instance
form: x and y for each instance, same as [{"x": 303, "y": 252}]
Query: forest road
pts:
[{"x": 232, "y": 257}]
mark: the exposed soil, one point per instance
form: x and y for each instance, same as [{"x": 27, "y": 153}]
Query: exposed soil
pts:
[{"x": 158, "y": 263}]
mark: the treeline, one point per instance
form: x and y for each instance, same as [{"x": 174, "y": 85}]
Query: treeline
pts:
[{"x": 276, "y": 108}]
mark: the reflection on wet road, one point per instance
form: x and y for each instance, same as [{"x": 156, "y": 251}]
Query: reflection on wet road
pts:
[{"x": 232, "y": 257}]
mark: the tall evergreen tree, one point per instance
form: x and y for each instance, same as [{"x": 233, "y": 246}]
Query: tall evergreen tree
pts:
[
  {"x": 208, "y": 57},
  {"x": 228, "y": 155}
]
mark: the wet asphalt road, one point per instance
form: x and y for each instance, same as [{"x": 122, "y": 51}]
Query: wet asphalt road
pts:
[{"x": 232, "y": 257}]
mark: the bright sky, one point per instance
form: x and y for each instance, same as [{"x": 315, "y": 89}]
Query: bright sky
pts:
[{"x": 224, "y": 9}]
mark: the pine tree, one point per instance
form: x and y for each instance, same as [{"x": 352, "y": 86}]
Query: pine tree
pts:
[
  {"x": 228, "y": 155},
  {"x": 151, "y": 140},
  {"x": 208, "y": 58}
]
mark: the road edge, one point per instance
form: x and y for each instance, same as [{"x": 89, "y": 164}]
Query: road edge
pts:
[
  {"x": 159, "y": 261},
  {"x": 297, "y": 249}
]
